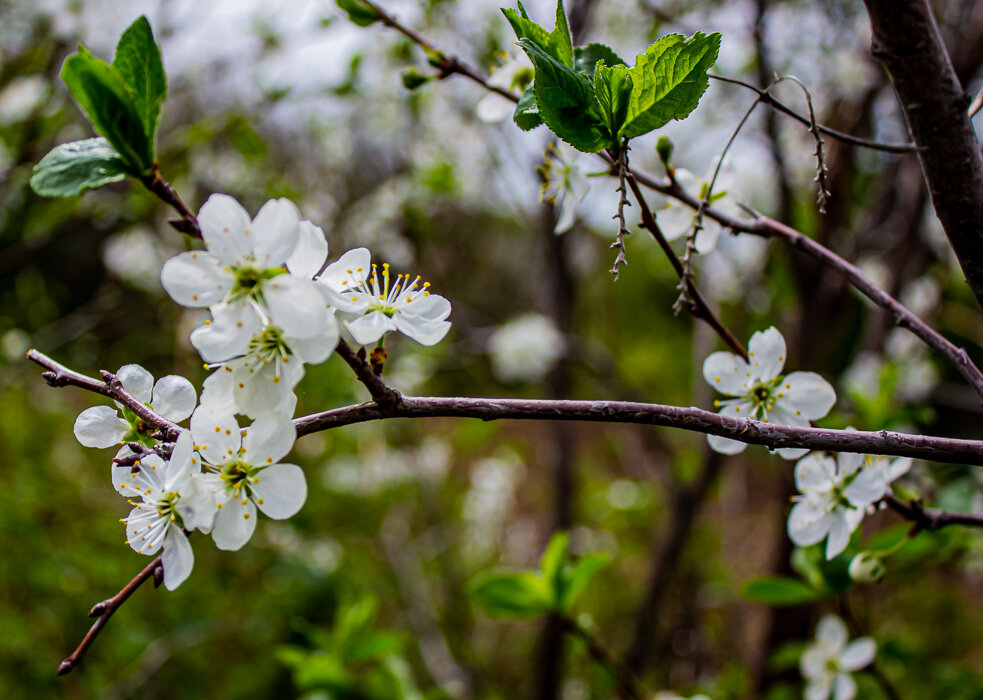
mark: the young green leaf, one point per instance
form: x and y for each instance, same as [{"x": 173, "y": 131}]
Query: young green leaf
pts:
[
  {"x": 565, "y": 99},
  {"x": 612, "y": 90},
  {"x": 577, "y": 576},
  {"x": 71, "y": 167},
  {"x": 561, "y": 43},
  {"x": 668, "y": 81},
  {"x": 107, "y": 102},
  {"x": 358, "y": 12},
  {"x": 554, "y": 559},
  {"x": 138, "y": 63},
  {"x": 778, "y": 591},
  {"x": 525, "y": 28},
  {"x": 526, "y": 115},
  {"x": 519, "y": 595},
  {"x": 586, "y": 57}
]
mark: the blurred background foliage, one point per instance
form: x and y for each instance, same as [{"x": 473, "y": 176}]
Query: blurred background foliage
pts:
[{"x": 368, "y": 586}]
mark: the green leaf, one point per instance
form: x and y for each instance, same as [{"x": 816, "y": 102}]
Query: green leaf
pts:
[
  {"x": 612, "y": 90},
  {"x": 358, "y": 12},
  {"x": 525, "y": 28},
  {"x": 561, "y": 43},
  {"x": 577, "y": 577},
  {"x": 668, "y": 81},
  {"x": 519, "y": 595},
  {"x": 71, "y": 167},
  {"x": 106, "y": 100},
  {"x": 138, "y": 63},
  {"x": 554, "y": 559},
  {"x": 526, "y": 115},
  {"x": 778, "y": 591},
  {"x": 565, "y": 99},
  {"x": 586, "y": 57}
]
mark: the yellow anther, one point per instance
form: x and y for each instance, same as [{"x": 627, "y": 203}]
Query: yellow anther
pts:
[
  {"x": 276, "y": 379},
  {"x": 220, "y": 506},
  {"x": 255, "y": 479},
  {"x": 208, "y": 322},
  {"x": 245, "y": 501},
  {"x": 218, "y": 429},
  {"x": 245, "y": 516},
  {"x": 259, "y": 501},
  {"x": 228, "y": 432}
]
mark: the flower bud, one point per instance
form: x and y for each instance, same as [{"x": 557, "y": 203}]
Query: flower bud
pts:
[
  {"x": 664, "y": 148},
  {"x": 867, "y": 567}
]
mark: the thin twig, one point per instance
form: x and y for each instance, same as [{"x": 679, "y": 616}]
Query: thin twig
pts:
[
  {"x": 105, "y": 610},
  {"x": 188, "y": 223},
  {"x": 838, "y": 135},
  {"x": 930, "y": 518},
  {"x": 627, "y": 686},
  {"x": 821, "y": 169},
  {"x": 59, "y": 376},
  {"x": 771, "y": 435},
  {"x": 382, "y": 393}
]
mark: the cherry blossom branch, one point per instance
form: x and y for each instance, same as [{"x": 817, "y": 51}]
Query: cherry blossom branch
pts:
[
  {"x": 104, "y": 610},
  {"x": 930, "y": 518},
  {"x": 59, "y": 376},
  {"x": 383, "y": 394},
  {"x": 771, "y": 435},
  {"x": 188, "y": 223}
]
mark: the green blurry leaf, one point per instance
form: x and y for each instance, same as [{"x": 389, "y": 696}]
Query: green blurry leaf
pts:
[
  {"x": 107, "y": 102},
  {"x": 578, "y": 576},
  {"x": 525, "y": 28},
  {"x": 561, "y": 43},
  {"x": 586, "y": 57},
  {"x": 316, "y": 670},
  {"x": 71, "y": 167},
  {"x": 358, "y": 12},
  {"x": 394, "y": 680},
  {"x": 519, "y": 595},
  {"x": 612, "y": 90},
  {"x": 412, "y": 79},
  {"x": 555, "y": 557},
  {"x": 565, "y": 99},
  {"x": 778, "y": 591},
  {"x": 138, "y": 63},
  {"x": 526, "y": 115},
  {"x": 668, "y": 81}
]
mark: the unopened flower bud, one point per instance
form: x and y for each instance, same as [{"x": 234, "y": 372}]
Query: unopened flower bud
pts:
[
  {"x": 664, "y": 148},
  {"x": 867, "y": 567}
]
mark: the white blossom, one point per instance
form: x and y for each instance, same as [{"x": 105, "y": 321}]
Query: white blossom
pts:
[
  {"x": 835, "y": 495},
  {"x": 244, "y": 472},
  {"x": 172, "y": 397},
  {"x": 676, "y": 219},
  {"x": 525, "y": 348},
  {"x": 757, "y": 390},
  {"x": 564, "y": 184},
  {"x": 372, "y": 303},
  {"x": 828, "y": 662},
  {"x": 172, "y": 498},
  {"x": 514, "y": 75}
]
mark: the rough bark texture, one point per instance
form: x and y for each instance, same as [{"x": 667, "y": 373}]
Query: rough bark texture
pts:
[{"x": 907, "y": 40}]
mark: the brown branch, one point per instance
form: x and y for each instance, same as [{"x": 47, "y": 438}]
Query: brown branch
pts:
[
  {"x": 627, "y": 686},
  {"x": 105, "y": 610},
  {"x": 59, "y": 376},
  {"x": 930, "y": 518},
  {"x": 771, "y": 435},
  {"x": 769, "y": 100},
  {"x": 188, "y": 223},
  {"x": 907, "y": 41},
  {"x": 383, "y": 394}
]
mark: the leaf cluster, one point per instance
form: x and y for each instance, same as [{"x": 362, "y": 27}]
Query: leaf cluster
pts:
[{"x": 592, "y": 99}]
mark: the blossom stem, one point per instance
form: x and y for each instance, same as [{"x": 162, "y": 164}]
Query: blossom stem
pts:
[
  {"x": 929, "y": 518},
  {"x": 104, "y": 610},
  {"x": 188, "y": 223}
]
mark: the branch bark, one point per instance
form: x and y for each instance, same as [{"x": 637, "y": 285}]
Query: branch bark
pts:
[{"x": 906, "y": 39}]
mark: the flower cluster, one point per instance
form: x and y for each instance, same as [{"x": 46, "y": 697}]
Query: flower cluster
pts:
[
  {"x": 828, "y": 662},
  {"x": 757, "y": 390},
  {"x": 272, "y": 310}
]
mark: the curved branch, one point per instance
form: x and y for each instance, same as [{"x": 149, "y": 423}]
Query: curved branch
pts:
[
  {"x": 930, "y": 518},
  {"x": 771, "y": 435}
]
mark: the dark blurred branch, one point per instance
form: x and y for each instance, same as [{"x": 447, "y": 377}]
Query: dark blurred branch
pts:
[
  {"x": 59, "y": 376},
  {"x": 930, "y": 518},
  {"x": 105, "y": 610},
  {"x": 626, "y": 685},
  {"x": 907, "y": 40},
  {"x": 771, "y": 435}
]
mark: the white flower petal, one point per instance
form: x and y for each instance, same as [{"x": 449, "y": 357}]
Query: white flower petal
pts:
[
  {"x": 848, "y": 463},
  {"x": 816, "y": 472},
  {"x": 813, "y": 662},
  {"x": 675, "y": 220},
  {"x": 296, "y": 306},
  {"x": 866, "y": 487},
  {"x": 223, "y": 224},
  {"x": 706, "y": 239},
  {"x": 228, "y": 334},
  {"x": 178, "y": 559},
  {"x": 196, "y": 279},
  {"x": 845, "y": 687},
  {"x": 819, "y": 688},
  {"x": 100, "y": 426},
  {"x": 898, "y": 468},
  {"x": 726, "y": 445},
  {"x": 197, "y": 505},
  {"x": 808, "y": 393},
  {"x": 727, "y": 373},
  {"x": 766, "y": 350},
  {"x": 174, "y": 398},
  {"x": 316, "y": 349},
  {"x": 432, "y": 307},
  {"x": 839, "y": 533},
  {"x": 270, "y": 437},
  {"x": 216, "y": 435},
  {"x": 274, "y": 232},
  {"x": 281, "y": 490},
  {"x": 216, "y": 391},
  {"x": 422, "y": 330},
  {"x": 567, "y": 215},
  {"x": 369, "y": 328},
  {"x": 831, "y": 632},
  {"x": 493, "y": 108},
  {"x": 138, "y": 382},
  {"x": 234, "y": 524},
  {"x": 179, "y": 468},
  {"x": 808, "y": 523},
  {"x": 347, "y": 271},
  {"x": 268, "y": 387},
  {"x": 310, "y": 252},
  {"x": 858, "y": 653},
  {"x": 124, "y": 480}
]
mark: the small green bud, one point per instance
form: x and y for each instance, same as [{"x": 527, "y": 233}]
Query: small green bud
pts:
[
  {"x": 412, "y": 79},
  {"x": 664, "y": 148},
  {"x": 867, "y": 567}
]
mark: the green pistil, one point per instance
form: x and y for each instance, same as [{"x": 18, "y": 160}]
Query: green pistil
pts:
[
  {"x": 166, "y": 508},
  {"x": 249, "y": 280},
  {"x": 237, "y": 475},
  {"x": 269, "y": 343}
]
